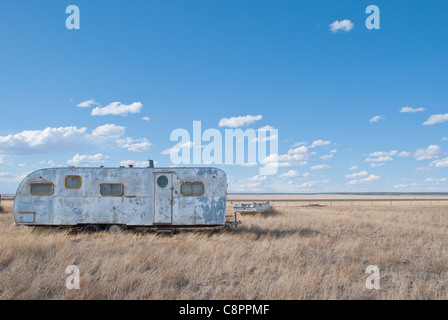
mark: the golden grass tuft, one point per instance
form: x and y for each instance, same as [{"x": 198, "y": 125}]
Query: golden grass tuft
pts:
[{"x": 294, "y": 253}]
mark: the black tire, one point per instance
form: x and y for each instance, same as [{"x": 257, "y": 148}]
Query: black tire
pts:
[
  {"x": 115, "y": 229},
  {"x": 91, "y": 228}
]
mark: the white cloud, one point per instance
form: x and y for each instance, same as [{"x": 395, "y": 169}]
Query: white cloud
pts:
[
  {"x": 383, "y": 153},
  {"x": 436, "y": 180},
  {"x": 306, "y": 175},
  {"x": 289, "y": 174},
  {"x": 357, "y": 175},
  {"x": 146, "y": 118},
  {"x": 285, "y": 160},
  {"x": 376, "y": 164},
  {"x": 376, "y": 119},
  {"x": 326, "y": 157},
  {"x": 266, "y": 128},
  {"x": 319, "y": 143},
  {"x": 257, "y": 178},
  {"x": 176, "y": 150},
  {"x": 370, "y": 178},
  {"x": 400, "y": 186},
  {"x": 108, "y": 131},
  {"x": 320, "y": 167},
  {"x": 87, "y": 103},
  {"x": 2, "y": 158},
  {"x": 298, "y": 144},
  {"x": 135, "y": 145},
  {"x": 436, "y": 118},
  {"x": 6, "y": 175},
  {"x": 444, "y": 139},
  {"x": 353, "y": 168},
  {"x": 311, "y": 184},
  {"x": 341, "y": 26},
  {"x": 379, "y": 159},
  {"x": 333, "y": 151},
  {"x": 429, "y": 153},
  {"x": 32, "y": 141},
  {"x": 49, "y": 163},
  {"x": 411, "y": 110},
  {"x": 442, "y": 163},
  {"x": 117, "y": 108},
  {"x": 22, "y": 165},
  {"x": 235, "y": 122},
  {"x": 79, "y": 160},
  {"x": 299, "y": 150},
  {"x": 403, "y": 154}
]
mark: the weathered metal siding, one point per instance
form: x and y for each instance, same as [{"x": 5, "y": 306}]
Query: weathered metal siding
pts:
[
  {"x": 86, "y": 205},
  {"x": 135, "y": 207},
  {"x": 207, "y": 209}
]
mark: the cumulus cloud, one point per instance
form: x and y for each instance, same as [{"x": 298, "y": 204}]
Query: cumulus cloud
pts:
[
  {"x": 108, "y": 131},
  {"x": 441, "y": 163},
  {"x": 357, "y": 175},
  {"x": 436, "y": 180},
  {"x": 341, "y": 26},
  {"x": 235, "y": 122},
  {"x": 146, "y": 118},
  {"x": 383, "y": 153},
  {"x": 319, "y": 143},
  {"x": 431, "y": 152},
  {"x": 326, "y": 157},
  {"x": 257, "y": 178},
  {"x": 35, "y": 141},
  {"x": 353, "y": 168},
  {"x": 289, "y": 174},
  {"x": 80, "y": 160},
  {"x": 135, "y": 145},
  {"x": 376, "y": 119},
  {"x": 117, "y": 108},
  {"x": 436, "y": 118},
  {"x": 411, "y": 110},
  {"x": 370, "y": 178},
  {"x": 379, "y": 159},
  {"x": 88, "y": 104},
  {"x": 320, "y": 167},
  {"x": 176, "y": 150}
]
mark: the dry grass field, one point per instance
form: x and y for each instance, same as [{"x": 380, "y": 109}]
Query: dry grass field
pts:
[{"x": 293, "y": 253}]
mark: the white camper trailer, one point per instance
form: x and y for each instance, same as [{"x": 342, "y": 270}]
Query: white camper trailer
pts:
[{"x": 112, "y": 198}]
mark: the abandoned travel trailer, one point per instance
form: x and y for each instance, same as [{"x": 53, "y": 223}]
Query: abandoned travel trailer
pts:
[{"x": 101, "y": 198}]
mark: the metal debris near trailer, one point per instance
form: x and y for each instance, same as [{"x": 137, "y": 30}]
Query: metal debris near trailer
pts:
[
  {"x": 111, "y": 199},
  {"x": 251, "y": 208}
]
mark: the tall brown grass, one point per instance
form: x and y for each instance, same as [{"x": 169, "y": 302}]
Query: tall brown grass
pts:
[{"x": 297, "y": 253}]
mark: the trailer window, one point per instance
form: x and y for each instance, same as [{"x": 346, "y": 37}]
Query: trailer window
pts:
[
  {"x": 72, "y": 182},
  {"x": 192, "y": 189},
  {"x": 41, "y": 188},
  {"x": 111, "y": 189}
]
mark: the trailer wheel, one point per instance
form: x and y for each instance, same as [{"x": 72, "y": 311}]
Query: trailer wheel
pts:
[
  {"x": 114, "y": 229},
  {"x": 91, "y": 228}
]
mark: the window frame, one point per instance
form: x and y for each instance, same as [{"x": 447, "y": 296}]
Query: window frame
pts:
[
  {"x": 190, "y": 183},
  {"x": 70, "y": 175},
  {"x": 111, "y": 195},
  {"x": 44, "y": 194}
]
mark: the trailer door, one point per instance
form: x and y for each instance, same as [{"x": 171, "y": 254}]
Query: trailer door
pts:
[{"x": 163, "y": 197}]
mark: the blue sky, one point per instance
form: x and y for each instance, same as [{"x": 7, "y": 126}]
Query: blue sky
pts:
[{"x": 150, "y": 67}]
